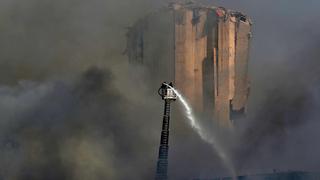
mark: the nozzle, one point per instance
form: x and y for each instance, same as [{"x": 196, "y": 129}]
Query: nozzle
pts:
[{"x": 166, "y": 91}]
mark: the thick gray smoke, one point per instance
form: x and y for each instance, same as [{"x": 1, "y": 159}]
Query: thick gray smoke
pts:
[
  {"x": 69, "y": 110},
  {"x": 283, "y": 121},
  {"x": 82, "y": 129}
]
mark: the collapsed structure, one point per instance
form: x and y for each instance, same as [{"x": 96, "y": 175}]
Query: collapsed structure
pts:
[{"x": 203, "y": 50}]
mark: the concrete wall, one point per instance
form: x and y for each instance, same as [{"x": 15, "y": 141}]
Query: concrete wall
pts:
[{"x": 203, "y": 50}]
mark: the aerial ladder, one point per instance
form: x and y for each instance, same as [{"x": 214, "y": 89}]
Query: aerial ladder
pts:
[{"x": 168, "y": 95}]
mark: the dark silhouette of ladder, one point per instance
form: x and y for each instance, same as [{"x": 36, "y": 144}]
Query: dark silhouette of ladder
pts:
[{"x": 162, "y": 165}]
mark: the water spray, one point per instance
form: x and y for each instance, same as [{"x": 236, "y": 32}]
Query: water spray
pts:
[{"x": 201, "y": 132}]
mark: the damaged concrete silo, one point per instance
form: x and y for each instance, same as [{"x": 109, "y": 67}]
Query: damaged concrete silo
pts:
[{"x": 204, "y": 50}]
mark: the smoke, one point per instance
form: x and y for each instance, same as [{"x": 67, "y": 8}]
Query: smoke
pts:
[
  {"x": 56, "y": 39},
  {"x": 205, "y": 136},
  {"x": 282, "y": 123},
  {"x": 64, "y": 118},
  {"x": 83, "y": 129},
  {"x": 68, "y": 109}
]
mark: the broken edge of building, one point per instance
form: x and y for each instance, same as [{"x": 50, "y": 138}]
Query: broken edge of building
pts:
[{"x": 204, "y": 50}]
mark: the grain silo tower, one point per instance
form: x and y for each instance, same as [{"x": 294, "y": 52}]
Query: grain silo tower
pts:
[{"x": 203, "y": 50}]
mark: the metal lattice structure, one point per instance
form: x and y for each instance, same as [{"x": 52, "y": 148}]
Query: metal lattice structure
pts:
[{"x": 167, "y": 95}]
